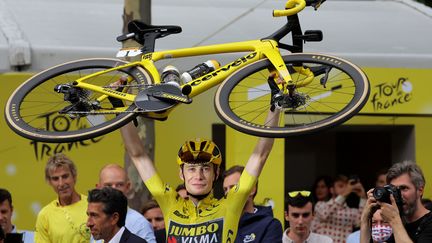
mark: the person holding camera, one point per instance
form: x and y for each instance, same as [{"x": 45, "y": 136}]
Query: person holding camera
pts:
[
  {"x": 380, "y": 181},
  {"x": 335, "y": 218},
  {"x": 402, "y": 208}
]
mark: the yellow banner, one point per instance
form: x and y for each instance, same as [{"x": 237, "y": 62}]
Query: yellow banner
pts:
[
  {"x": 399, "y": 91},
  {"x": 22, "y": 162}
]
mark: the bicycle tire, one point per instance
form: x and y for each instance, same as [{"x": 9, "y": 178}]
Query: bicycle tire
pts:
[
  {"x": 243, "y": 99},
  {"x": 32, "y": 109}
]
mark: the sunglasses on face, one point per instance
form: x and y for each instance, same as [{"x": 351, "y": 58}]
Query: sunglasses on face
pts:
[
  {"x": 200, "y": 157},
  {"x": 302, "y": 193}
]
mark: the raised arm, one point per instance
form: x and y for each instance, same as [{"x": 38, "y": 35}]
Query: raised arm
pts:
[
  {"x": 365, "y": 227},
  {"x": 263, "y": 148},
  {"x": 390, "y": 213},
  {"x": 137, "y": 152}
]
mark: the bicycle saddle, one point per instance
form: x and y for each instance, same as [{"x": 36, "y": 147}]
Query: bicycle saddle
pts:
[{"x": 143, "y": 30}]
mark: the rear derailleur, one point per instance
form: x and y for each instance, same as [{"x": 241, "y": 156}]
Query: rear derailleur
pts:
[{"x": 79, "y": 99}]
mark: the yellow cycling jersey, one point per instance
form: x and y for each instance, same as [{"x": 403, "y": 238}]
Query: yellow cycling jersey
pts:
[{"x": 210, "y": 221}]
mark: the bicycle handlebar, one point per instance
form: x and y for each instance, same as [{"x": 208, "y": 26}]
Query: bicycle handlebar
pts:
[
  {"x": 291, "y": 7},
  {"x": 294, "y": 6}
]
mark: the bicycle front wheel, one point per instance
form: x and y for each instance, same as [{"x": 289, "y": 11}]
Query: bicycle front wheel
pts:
[
  {"x": 35, "y": 111},
  {"x": 337, "y": 92}
]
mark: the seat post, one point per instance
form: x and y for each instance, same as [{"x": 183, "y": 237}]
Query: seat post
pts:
[{"x": 149, "y": 42}]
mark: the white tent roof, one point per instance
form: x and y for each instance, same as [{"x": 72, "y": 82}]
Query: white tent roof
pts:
[{"x": 44, "y": 33}]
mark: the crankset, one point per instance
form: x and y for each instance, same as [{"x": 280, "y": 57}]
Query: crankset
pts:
[{"x": 160, "y": 97}]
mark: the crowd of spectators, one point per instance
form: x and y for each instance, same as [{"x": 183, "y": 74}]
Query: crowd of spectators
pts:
[{"x": 325, "y": 213}]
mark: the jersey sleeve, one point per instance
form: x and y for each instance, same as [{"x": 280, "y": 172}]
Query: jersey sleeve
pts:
[
  {"x": 162, "y": 193},
  {"x": 237, "y": 196}
]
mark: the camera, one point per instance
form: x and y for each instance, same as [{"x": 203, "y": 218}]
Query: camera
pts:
[{"x": 382, "y": 194}]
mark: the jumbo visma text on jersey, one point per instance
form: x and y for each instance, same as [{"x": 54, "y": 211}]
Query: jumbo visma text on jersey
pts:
[{"x": 208, "y": 232}]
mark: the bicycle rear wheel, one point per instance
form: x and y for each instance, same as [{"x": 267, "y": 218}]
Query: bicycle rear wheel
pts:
[
  {"x": 242, "y": 101},
  {"x": 35, "y": 111}
]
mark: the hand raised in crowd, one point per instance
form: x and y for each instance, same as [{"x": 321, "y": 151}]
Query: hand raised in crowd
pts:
[
  {"x": 365, "y": 233},
  {"x": 348, "y": 189},
  {"x": 390, "y": 212},
  {"x": 358, "y": 189},
  {"x": 371, "y": 203}
]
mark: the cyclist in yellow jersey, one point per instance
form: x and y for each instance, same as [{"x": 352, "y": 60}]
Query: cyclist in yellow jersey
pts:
[{"x": 200, "y": 217}]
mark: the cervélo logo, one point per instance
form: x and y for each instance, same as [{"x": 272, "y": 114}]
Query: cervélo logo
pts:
[{"x": 226, "y": 68}]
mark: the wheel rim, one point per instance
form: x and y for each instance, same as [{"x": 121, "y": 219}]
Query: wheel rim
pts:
[
  {"x": 40, "y": 106},
  {"x": 249, "y": 100}
]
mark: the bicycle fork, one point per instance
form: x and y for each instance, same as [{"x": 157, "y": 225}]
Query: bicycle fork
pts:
[{"x": 280, "y": 81}]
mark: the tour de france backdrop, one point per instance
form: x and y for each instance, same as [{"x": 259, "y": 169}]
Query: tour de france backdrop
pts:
[{"x": 402, "y": 94}]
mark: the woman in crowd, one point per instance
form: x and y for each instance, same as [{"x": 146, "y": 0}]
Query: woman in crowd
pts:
[
  {"x": 373, "y": 228},
  {"x": 321, "y": 188}
]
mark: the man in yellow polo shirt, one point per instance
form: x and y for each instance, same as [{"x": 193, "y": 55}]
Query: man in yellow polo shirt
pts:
[{"x": 64, "y": 219}]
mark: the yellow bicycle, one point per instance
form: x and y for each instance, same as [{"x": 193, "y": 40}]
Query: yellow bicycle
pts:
[{"x": 313, "y": 91}]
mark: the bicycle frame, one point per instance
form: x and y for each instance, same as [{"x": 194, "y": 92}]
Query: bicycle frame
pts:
[
  {"x": 267, "y": 47},
  {"x": 258, "y": 49}
]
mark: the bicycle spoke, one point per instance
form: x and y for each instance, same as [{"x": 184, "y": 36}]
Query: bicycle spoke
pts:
[
  {"x": 313, "y": 102},
  {"x": 72, "y": 109}
]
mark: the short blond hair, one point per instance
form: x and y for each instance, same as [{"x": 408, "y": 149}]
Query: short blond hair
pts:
[{"x": 57, "y": 161}]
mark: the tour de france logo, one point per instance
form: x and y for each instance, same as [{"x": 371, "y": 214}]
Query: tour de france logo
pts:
[
  {"x": 388, "y": 95},
  {"x": 60, "y": 123}
]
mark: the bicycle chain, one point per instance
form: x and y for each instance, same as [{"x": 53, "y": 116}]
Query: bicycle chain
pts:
[
  {"x": 101, "y": 113},
  {"x": 112, "y": 112},
  {"x": 129, "y": 85}
]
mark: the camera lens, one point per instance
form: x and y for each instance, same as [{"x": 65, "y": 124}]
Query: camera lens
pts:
[{"x": 381, "y": 194}]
